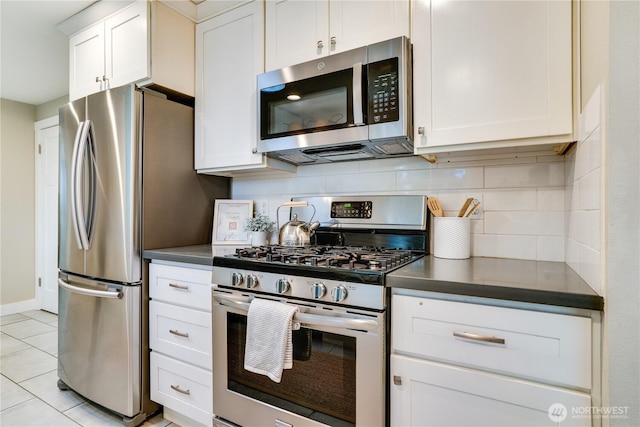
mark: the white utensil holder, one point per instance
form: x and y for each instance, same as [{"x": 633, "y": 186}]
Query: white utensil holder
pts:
[{"x": 452, "y": 237}]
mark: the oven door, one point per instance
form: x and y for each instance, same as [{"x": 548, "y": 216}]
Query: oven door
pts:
[{"x": 338, "y": 374}]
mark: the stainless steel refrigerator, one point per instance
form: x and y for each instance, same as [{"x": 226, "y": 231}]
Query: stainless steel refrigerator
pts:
[{"x": 127, "y": 183}]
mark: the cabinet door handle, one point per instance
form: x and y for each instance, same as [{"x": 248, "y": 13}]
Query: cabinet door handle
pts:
[
  {"x": 179, "y": 390},
  {"x": 177, "y": 286},
  {"x": 333, "y": 41},
  {"x": 481, "y": 338},
  {"x": 320, "y": 44},
  {"x": 178, "y": 333},
  {"x": 421, "y": 130},
  {"x": 397, "y": 380}
]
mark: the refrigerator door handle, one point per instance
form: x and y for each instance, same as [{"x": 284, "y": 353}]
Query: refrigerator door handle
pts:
[
  {"x": 73, "y": 189},
  {"x": 85, "y": 144},
  {"x": 89, "y": 292}
]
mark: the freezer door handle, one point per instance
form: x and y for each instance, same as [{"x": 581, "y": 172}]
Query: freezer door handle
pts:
[{"x": 89, "y": 292}]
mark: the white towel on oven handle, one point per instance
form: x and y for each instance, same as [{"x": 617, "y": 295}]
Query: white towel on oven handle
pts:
[{"x": 269, "y": 347}]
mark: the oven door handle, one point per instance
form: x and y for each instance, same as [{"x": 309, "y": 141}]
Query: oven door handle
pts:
[{"x": 312, "y": 320}]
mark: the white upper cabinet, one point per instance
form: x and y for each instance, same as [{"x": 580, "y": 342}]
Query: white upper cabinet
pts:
[
  {"x": 299, "y": 31},
  {"x": 491, "y": 74},
  {"x": 145, "y": 42},
  {"x": 229, "y": 56}
]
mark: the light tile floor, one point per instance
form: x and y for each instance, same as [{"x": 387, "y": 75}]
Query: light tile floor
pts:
[{"x": 29, "y": 395}]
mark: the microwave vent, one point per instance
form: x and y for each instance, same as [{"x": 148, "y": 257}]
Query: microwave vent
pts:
[
  {"x": 391, "y": 148},
  {"x": 296, "y": 158},
  {"x": 341, "y": 157}
]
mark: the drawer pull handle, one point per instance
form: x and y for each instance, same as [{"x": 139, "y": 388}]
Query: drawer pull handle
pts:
[
  {"x": 397, "y": 380},
  {"x": 178, "y": 333},
  {"x": 482, "y": 338},
  {"x": 177, "y": 286},
  {"x": 179, "y": 390}
]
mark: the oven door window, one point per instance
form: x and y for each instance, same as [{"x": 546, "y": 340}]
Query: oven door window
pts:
[
  {"x": 310, "y": 105},
  {"x": 321, "y": 385}
]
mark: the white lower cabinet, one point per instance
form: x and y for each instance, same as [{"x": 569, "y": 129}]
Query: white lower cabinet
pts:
[
  {"x": 180, "y": 342},
  {"x": 463, "y": 364},
  {"x": 426, "y": 393}
]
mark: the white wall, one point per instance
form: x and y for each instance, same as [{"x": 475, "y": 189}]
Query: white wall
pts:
[{"x": 522, "y": 211}]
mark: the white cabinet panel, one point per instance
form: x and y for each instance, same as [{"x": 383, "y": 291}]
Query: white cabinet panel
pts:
[
  {"x": 549, "y": 347},
  {"x": 181, "y": 333},
  {"x": 184, "y": 286},
  {"x": 229, "y": 56},
  {"x": 299, "y": 31},
  {"x": 86, "y": 62},
  {"x": 427, "y": 393},
  {"x": 145, "y": 43},
  {"x": 182, "y": 387},
  {"x": 126, "y": 45},
  {"x": 491, "y": 71}
]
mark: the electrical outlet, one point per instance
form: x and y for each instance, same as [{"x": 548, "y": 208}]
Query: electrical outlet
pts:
[{"x": 262, "y": 207}]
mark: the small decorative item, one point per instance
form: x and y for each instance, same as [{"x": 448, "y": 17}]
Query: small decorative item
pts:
[
  {"x": 228, "y": 217},
  {"x": 260, "y": 227}
]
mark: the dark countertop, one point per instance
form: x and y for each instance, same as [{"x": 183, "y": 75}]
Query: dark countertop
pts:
[
  {"x": 539, "y": 282},
  {"x": 198, "y": 254}
]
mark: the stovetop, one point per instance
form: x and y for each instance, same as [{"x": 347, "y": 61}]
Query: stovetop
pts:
[
  {"x": 346, "y": 257},
  {"x": 357, "y": 264}
]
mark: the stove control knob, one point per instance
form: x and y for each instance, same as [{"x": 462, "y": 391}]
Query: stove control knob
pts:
[
  {"x": 237, "y": 279},
  {"x": 339, "y": 293},
  {"x": 282, "y": 286},
  {"x": 318, "y": 290},
  {"x": 252, "y": 281}
]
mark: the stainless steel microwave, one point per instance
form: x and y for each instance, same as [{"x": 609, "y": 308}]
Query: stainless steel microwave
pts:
[{"x": 353, "y": 105}]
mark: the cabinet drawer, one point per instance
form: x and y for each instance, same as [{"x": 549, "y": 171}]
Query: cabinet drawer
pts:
[
  {"x": 548, "y": 347},
  {"x": 178, "y": 285},
  {"x": 180, "y": 332},
  {"x": 182, "y": 387},
  {"x": 425, "y": 393}
]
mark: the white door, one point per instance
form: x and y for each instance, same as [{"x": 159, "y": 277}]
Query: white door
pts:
[{"x": 47, "y": 214}]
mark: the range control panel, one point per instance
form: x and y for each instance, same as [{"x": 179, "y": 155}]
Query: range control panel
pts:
[{"x": 362, "y": 209}]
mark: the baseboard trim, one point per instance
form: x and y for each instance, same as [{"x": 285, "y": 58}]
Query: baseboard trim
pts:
[{"x": 17, "y": 307}]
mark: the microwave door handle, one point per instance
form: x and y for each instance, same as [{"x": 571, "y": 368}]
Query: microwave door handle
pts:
[
  {"x": 73, "y": 189},
  {"x": 358, "y": 118},
  {"x": 305, "y": 319}
]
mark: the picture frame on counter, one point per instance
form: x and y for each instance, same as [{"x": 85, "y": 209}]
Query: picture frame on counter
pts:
[{"x": 229, "y": 219}]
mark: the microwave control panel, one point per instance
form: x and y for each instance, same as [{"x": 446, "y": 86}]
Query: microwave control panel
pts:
[
  {"x": 351, "y": 209},
  {"x": 383, "y": 91}
]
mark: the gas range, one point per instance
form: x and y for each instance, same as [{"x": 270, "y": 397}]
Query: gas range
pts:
[{"x": 348, "y": 259}]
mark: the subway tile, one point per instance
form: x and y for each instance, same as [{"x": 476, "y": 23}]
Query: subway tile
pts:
[
  {"x": 440, "y": 179},
  {"x": 550, "y": 248},
  {"x": 525, "y": 223},
  {"x": 483, "y": 245},
  {"x": 363, "y": 182},
  {"x": 550, "y": 199},
  {"x": 531, "y": 175},
  {"x": 589, "y": 191},
  {"x": 310, "y": 185},
  {"x": 589, "y": 267},
  {"x": 517, "y": 247},
  {"x": 510, "y": 200}
]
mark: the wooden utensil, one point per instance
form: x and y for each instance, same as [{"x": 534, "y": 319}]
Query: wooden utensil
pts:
[
  {"x": 434, "y": 206},
  {"x": 464, "y": 207},
  {"x": 473, "y": 207}
]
